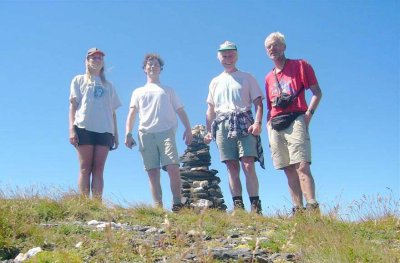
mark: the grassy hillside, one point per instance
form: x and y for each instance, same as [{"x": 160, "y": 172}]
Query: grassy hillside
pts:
[{"x": 59, "y": 226}]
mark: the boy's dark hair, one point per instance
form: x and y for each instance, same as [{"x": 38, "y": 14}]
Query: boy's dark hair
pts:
[{"x": 151, "y": 56}]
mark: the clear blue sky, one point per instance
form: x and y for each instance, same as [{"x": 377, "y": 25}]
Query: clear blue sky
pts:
[{"x": 352, "y": 45}]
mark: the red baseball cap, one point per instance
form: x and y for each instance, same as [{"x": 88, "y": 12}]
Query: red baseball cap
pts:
[{"x": 94, "y": 50}]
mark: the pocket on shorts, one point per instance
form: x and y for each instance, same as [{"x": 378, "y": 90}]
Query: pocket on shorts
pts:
[{"x": 140, "y": 141}]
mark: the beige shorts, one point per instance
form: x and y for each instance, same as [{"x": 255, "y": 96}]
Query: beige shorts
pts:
[
  {"x": 291, "y": 145},
  {"x": 158, "y": 149},
  {"x": 234, "y": 149}
]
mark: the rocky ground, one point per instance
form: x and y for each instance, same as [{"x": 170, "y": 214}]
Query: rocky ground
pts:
[{"x": 230, "y": 248}]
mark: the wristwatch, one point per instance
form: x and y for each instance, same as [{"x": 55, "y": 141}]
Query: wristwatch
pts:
[{"x": 312, "y": 111}]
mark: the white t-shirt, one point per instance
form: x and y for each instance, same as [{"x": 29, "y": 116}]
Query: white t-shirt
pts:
[
  {"x": 157, "y": 106},
  {"x": 96, "y": 103},
  {"x": 233, "y": 92}
]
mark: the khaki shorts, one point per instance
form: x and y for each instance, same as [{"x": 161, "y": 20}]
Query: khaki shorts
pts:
[
  {"x": 291, "y": 145},
  {"x": 158, "y": 148},
  {"x": 234, "y": 149}
]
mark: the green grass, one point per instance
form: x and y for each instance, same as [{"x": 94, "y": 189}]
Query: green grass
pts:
[{"x": 49, "y": 221}]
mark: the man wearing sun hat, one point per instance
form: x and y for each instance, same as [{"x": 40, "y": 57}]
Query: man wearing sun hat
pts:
[{"x": 231, "y": 124}]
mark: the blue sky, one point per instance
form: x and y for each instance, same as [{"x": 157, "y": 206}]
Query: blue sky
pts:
[{"x": 352, "y": 45}]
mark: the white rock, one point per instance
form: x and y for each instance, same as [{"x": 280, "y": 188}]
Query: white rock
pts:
[
  {"x": 79, "y": 244},
  {"x": 196, "y": 184},
  {"x": 152, "y": 230},
  {"x": 103, "y": 225},
  {"x": 204, "y": 183},
  {"x": 31, "y": 252},
  {"x": 21, "y": 257},
  {"x": 184, "y": 200},
  {"x": 202, "y": 203},
  {"x": 93, "y": 223},
  {"x": 198, "y": 189}
]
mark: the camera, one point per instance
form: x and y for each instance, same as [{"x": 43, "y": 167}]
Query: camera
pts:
[{"x": 282, "y": 101}]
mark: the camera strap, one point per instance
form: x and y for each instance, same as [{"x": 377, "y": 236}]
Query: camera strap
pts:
[
  {"x": 294, "y": 96},
  {"x": 277, "y": 82}
]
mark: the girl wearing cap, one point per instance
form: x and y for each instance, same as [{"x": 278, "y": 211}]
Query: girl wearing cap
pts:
[{"x": 92, "y": 122}]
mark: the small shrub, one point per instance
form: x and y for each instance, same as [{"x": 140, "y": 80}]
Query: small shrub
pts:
[{"x": 49, "y": 210}]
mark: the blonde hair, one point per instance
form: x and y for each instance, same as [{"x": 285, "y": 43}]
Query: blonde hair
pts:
[
  {"x": 88, "y": 76},
  {"x": 275, "y": 35}
]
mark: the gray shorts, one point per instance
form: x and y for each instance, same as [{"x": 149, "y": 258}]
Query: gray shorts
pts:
[
  {"x": 158, "y": 149},
  {"x": 234, "y": 148},
  {"x": 291, "y": 145}
]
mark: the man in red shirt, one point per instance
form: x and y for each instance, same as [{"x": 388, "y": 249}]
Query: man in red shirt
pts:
[{"x": 288, "y": 119}]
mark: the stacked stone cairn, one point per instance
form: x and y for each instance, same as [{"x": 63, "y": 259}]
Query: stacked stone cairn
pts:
[{"x": 200, "y": 185}]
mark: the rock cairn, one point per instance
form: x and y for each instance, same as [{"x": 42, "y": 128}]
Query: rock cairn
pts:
[{"x": 200, "y": 185}]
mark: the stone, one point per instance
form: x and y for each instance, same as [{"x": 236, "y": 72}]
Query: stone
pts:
[
  {"x": 200, "y": 185},
  {"x": 79, "y": 244},
  {"x": 93, "y": 223},
  {"x": 31, "y": 252},
  {"x": 200, "y": 195}
]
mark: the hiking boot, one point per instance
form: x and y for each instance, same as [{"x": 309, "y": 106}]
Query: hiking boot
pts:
[
  {"x": 297, "y": 210},
  {"x": 238, "y": 204},
  {"x": 256, "y": 207},
  {"x": 312, "y": 208},
  {"x": 177, "y": 207}
]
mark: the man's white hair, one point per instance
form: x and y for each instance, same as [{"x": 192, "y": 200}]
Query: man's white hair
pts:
[{"x": 275, "y": 35}]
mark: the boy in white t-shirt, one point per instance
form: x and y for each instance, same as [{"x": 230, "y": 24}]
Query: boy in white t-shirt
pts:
[{"x": 157, "y": 106}]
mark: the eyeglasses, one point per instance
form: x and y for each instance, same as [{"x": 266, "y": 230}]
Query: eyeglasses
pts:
[{"x": 270, "y": 46}]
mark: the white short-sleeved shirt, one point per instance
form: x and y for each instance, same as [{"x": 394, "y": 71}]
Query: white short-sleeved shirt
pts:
[
  {"x": 233, "y": 92},
  {"x": 157, "y": 106},
  {"x": 96, "y": 104}
]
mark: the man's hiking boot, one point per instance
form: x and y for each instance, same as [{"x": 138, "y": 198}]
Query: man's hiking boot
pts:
[
  {"x": 177, "y": 207},
  {"x": 313, "y": 208},
  {"x": 256, "y": 207},
  {"x": 238, "y": 204}
]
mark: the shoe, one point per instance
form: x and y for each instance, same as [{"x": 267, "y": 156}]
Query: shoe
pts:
[
  {"x": 297, "y": 210},
  {"x": 177, "y": 207},
  {"x": 238, "y": 204},
  {"x": 256, "y": 207},
  {"x": 312, "y": 208}
]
